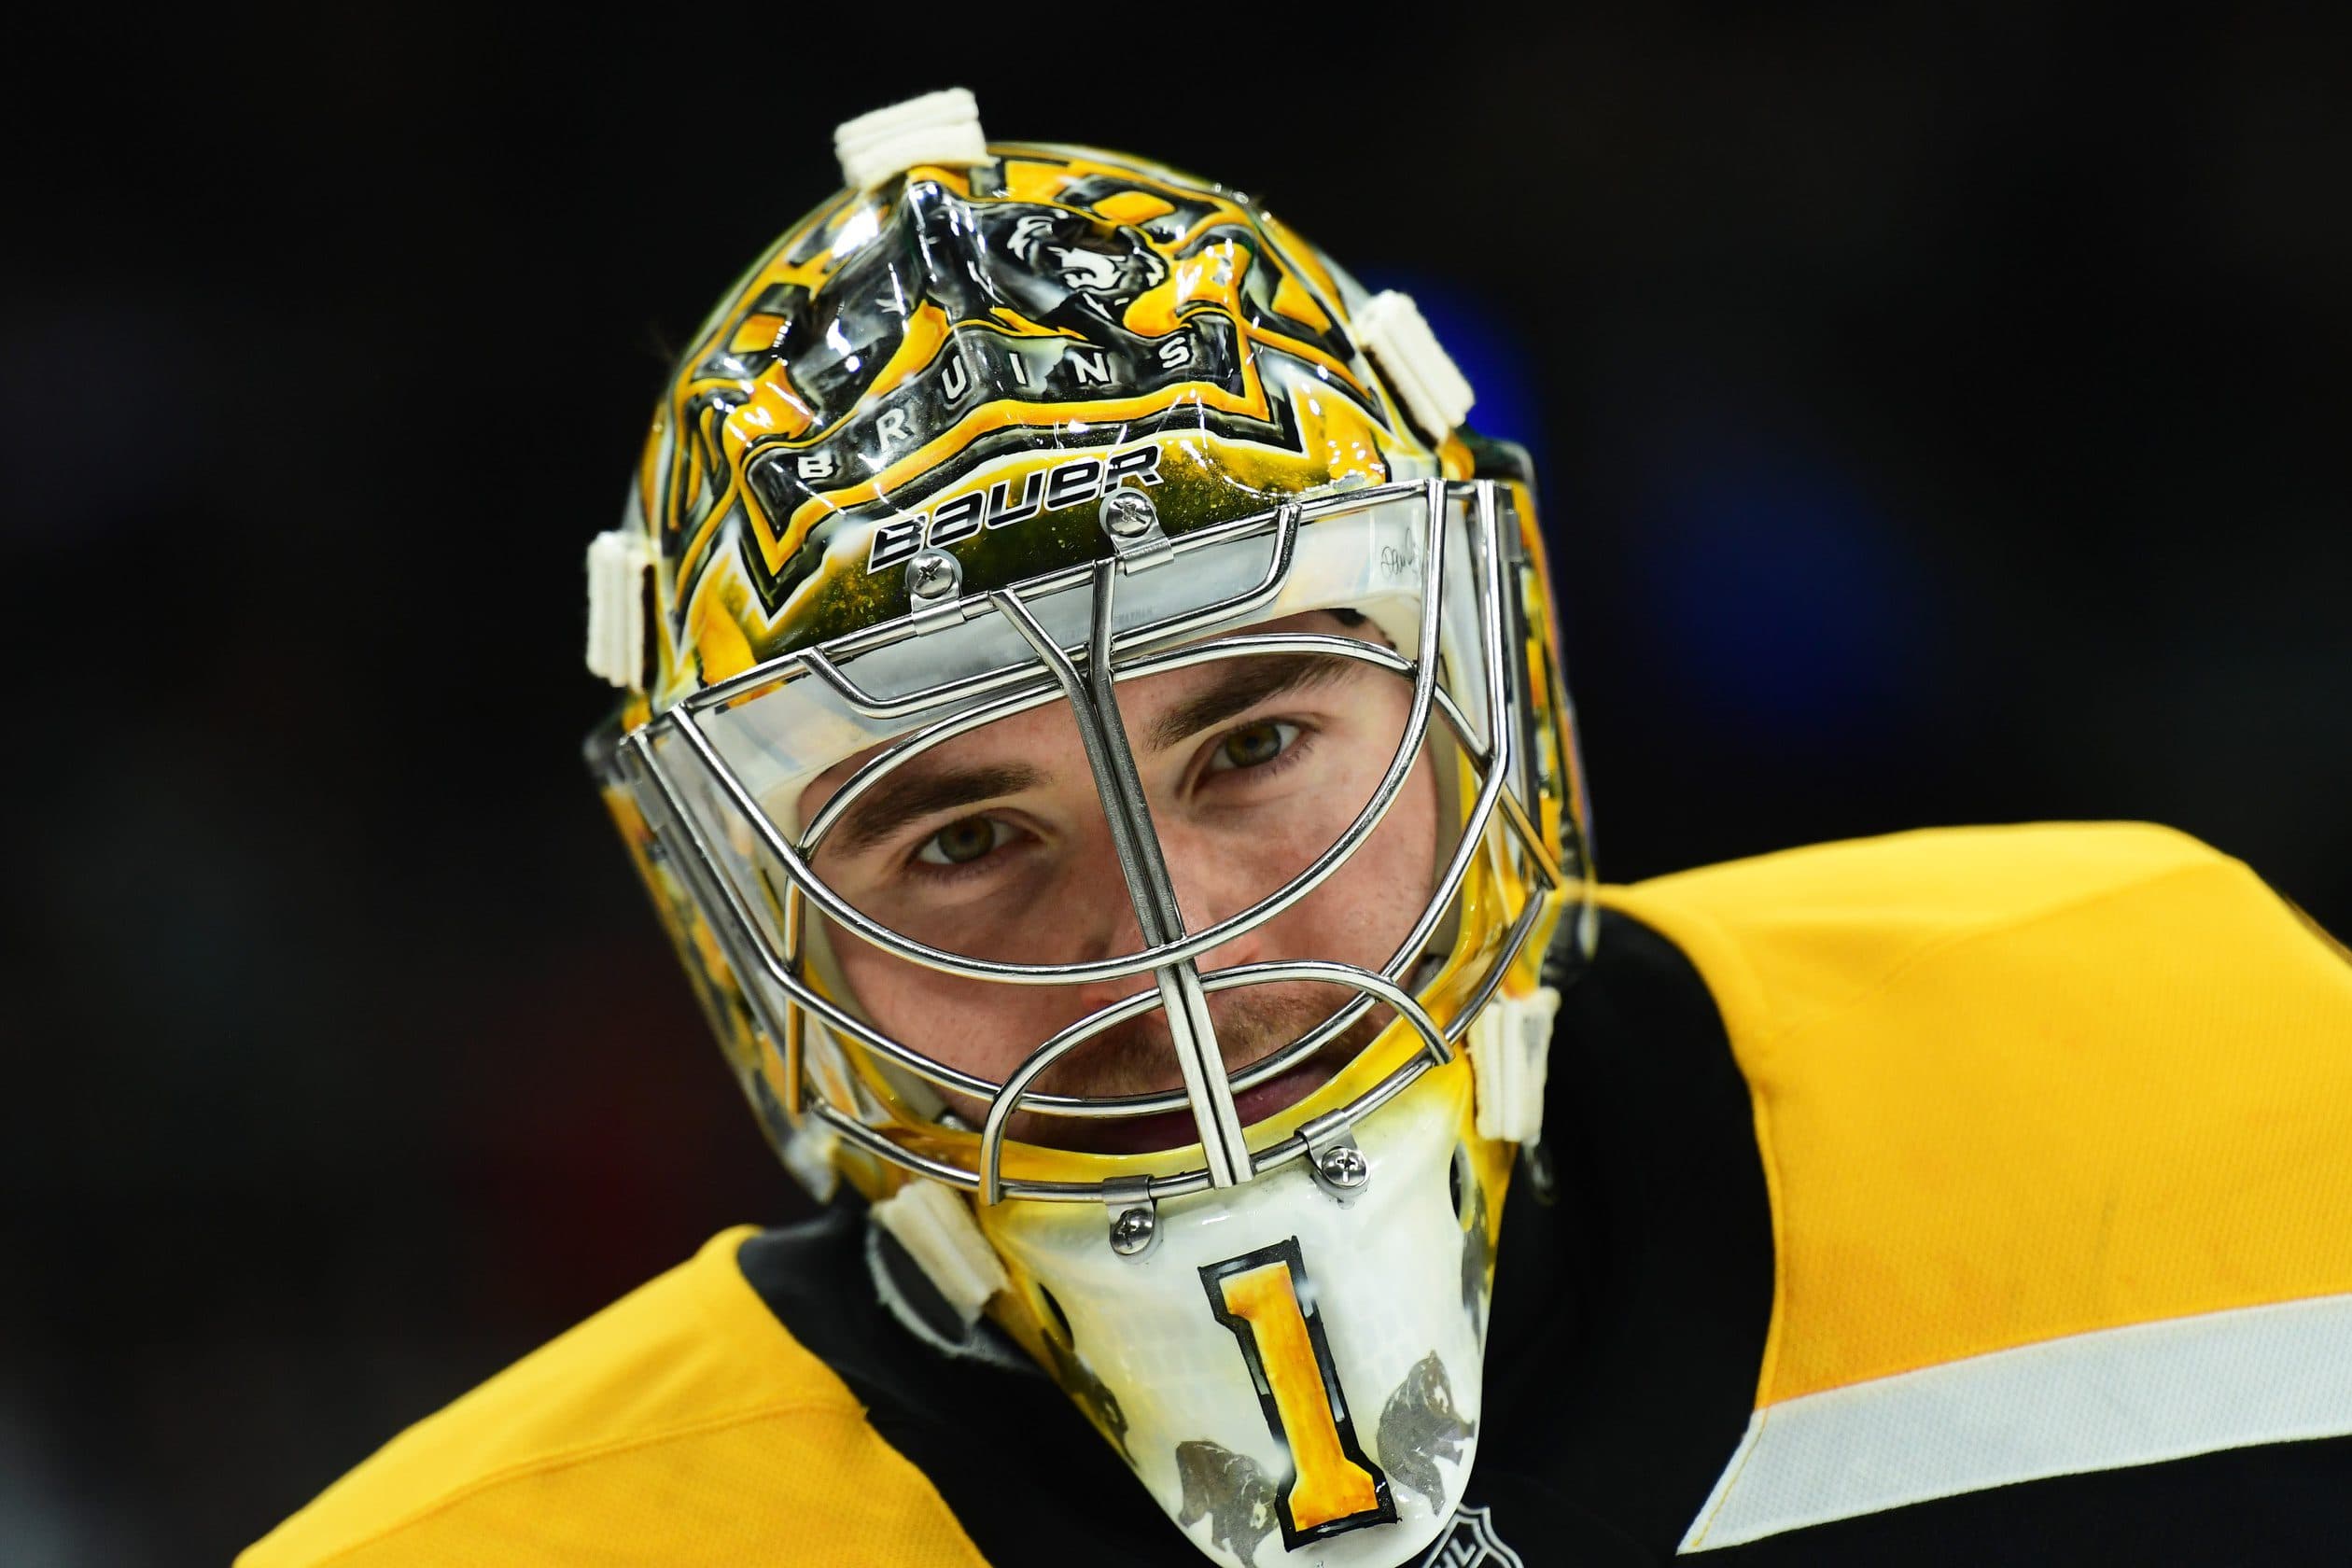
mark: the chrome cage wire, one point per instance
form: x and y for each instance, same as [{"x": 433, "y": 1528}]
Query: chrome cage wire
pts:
[{"x": 1087, "y": 677}]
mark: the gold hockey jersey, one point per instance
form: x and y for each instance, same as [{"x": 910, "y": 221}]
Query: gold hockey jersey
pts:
[{"x": 2056, "y": 1124}]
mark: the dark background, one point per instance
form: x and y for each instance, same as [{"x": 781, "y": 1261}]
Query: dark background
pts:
[{"x": 1943, "y": 419}]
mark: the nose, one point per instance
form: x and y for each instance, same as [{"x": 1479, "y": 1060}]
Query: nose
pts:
[{"x": 1210, "y": 885}]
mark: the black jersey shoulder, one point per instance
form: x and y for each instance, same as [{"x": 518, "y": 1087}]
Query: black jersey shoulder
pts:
[
  {"x": 2277, "y": 1505},
  {"x": 1631, "y": 1299}
]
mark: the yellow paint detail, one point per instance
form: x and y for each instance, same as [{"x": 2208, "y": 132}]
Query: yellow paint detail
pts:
[
  {"x": 1336, "y": 433},
  {"x": 756, "y": 335},
  {"x": 1329, "y": 1485},
  {"x": 2014, "y": 1083},
  {"x": 714, "y": 632},
  {"x": 649, "y": 476},
  {"x": 1000, "y": 415},
  {"x": 957, "y": 178},
  {"x": 1030, "y": 179},
  {"x": 1024, "y": 326},
  {"x": 1133, "y": 207},
  {"x": 1212, "y": 276},
  {"x": 1299, "y": 254},
  {"x": 926, "y": 332},
  {"x": 1292, "y": 298},
  {"x": 721, "y": 423},
  {"x": 1153, "y": 313},
  {"x": 774, "y": 410}
]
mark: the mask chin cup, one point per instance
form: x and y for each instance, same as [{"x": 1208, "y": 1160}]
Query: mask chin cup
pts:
[{"x": 1284, "y": 1369}]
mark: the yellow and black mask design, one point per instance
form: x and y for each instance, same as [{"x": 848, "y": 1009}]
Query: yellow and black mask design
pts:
[{"x": 968, "y": 360}]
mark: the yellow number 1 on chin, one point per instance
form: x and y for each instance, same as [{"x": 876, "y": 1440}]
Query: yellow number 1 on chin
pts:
[{"x": 1334, "y": 1487}]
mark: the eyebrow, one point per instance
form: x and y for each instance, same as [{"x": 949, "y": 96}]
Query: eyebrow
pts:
[
  {"x": 905, "y": 797},
  {"x": 1242, "y": 686}
]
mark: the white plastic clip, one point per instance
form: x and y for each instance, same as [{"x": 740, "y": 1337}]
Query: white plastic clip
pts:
[
  {"x": 618, "y": 561},
  {"x": 1419, "y": 370},
  {"x": 937, "y": 1229},
  {"x": 1510, "y": 1057},
  {"x": 808, "y": 1154},
  {"x": 937, "y": 127}
]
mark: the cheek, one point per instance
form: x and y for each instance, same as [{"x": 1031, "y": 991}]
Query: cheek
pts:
[
  {"x": 897, "y": 996},
  {"x": 1371, "y": 901},
  {"x": 974, "y": 1024},
  {"x": 1401, "y": 859}
]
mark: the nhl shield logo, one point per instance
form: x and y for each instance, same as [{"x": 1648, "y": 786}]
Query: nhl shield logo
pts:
[{"x": 1470, "y": 1542}]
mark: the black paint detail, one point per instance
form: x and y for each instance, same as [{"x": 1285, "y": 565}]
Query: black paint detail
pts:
[
  {"x": 1286, "y": 1251},
  {"x": 772, "y": 474}
]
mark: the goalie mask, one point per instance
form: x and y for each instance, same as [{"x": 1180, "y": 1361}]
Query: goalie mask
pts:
[{"x": 1093, "y": 730}]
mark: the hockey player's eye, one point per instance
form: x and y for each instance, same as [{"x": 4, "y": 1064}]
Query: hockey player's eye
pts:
[
  {"x": 1253, "y": 745},
  {"x": 962, "y": 841}
]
